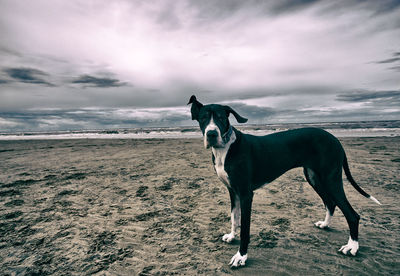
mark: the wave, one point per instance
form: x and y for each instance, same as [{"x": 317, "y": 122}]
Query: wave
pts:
[{"x": 346, "y": 129}]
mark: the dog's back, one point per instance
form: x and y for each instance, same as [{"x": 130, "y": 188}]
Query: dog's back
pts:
[{"x": 306, "y": 147}]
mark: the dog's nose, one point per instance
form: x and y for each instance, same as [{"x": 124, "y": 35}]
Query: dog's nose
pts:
[{"x": 212, "y": 134}]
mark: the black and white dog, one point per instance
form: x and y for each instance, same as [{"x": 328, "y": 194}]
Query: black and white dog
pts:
[{"x": 245, "y": 163}]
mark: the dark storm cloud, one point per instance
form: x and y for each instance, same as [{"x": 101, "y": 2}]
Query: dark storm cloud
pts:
[
  {"x": 291, "y": 5},
  {"x": 394, "y": 59},
  {"x": 395, "y": 68},
  {"x": 367, "y": 112},
  {"x": 363, "y": 96},
  {"x": 73, "y": 119},
  {"x": 333, "y": 115},
  {"x": 7, "y": 51},
  {"x": 27, "y": 75},
  {"x": 64, "y": 119},
  {"x": 100, "y": 82},
  {"x": 390, "y": 60},
  {"x": 372, "y": 103},
  {"x": 384, "y": 6},
  {"x": 223, "y": 9},
  {"x": 210, "y": 9},
  {"x": 168, "y": 18},
  {"x": 253, "y": 112},
  {"x": 376, "y": 7},
  {"x": 220, "y": 10}
]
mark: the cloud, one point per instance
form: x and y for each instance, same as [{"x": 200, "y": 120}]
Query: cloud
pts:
[
  {"x": 223, "y": 9},
  {"x": 385, "y": 6},
  {"x": 91, "y": 81},
  {"x": 92, "y": 118},
  {"x": 362, "y": 96},
  {"x": 27, "y": 75},
  {"x": 395, "y": 58},
  {"x": 382, "y": 104},
  {"x": 363, "y": 105},
  {"x": 274, "y": 59},
  {"x": 252, "y": 112},
  {"x": 390, "y": 60},
  {"x": 395, "y": 68},
  {"x": 224, "y": 46},
  {"x": 167, "y": 16},
  {"x": 290, "y": 6}
]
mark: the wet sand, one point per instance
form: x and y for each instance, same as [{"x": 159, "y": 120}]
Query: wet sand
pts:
[{"x": 156, "y": 207}]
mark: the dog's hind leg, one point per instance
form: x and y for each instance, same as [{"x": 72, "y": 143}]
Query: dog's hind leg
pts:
[
  {"x": 235, "y": 217},
  {"x": 352, "y": 218},
  {"x": 315, "y": 182}
]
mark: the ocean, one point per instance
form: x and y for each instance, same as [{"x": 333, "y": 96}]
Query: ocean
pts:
[{"x": 339, "y": 129}]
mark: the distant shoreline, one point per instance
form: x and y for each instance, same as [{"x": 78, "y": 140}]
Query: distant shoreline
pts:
[
  {"x": 194, "y": 132},
  {"x": 340, "y": 129}
]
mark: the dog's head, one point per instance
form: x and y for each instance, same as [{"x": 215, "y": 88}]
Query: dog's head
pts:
[{"x": 214, "y": 122}]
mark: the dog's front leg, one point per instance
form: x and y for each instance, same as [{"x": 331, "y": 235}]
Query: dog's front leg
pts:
[
  {"x": 235, "y": 217},
  {"x": 239, "y": 259}
]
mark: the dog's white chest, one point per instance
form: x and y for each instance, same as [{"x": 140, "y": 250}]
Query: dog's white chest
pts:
[
  {"x": 219, "y": 160},
  {"x": 219, "y": 166}
]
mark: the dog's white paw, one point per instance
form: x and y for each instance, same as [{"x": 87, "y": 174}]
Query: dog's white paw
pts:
[
  {"x": 321, "y": 224},
  {"x": 238, "y": 260},
  {"x": 228, "y": 237},
  {"x": 325, "y": 223},
  {"x": 351, "y": 246}
]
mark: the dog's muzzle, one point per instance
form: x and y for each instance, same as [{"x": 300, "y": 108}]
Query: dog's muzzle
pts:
[
  {"x": 212, "y": 138},
  {"x": 214, "y": 141}
]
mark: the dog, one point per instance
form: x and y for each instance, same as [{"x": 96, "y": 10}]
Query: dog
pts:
[{"x": 246, "y": 162}]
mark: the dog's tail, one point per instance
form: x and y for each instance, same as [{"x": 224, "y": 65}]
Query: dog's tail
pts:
[{"x": 354, "y": 183}]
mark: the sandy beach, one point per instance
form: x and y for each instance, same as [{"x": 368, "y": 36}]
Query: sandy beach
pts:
[{"x": 156, "y": 207}]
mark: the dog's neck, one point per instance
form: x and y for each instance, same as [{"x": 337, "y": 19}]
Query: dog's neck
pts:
[{"x": 227, "y": 135}]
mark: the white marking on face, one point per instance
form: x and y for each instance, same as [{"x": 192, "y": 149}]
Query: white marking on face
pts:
[
  {"x": 351, "y": 246},
  {"x": 219, "y": 159},
  {"x": 235, "y": 222},
  {"x": 326, "y": 222},
  {"x": 212, "y": 126}
]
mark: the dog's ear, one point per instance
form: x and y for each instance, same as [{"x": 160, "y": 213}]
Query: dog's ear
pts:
[
  {"x": 196, "y": 106},
  {"x": 239, "y": 118}
]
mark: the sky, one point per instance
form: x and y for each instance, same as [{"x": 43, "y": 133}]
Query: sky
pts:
[{"x": 102, "y": 64}]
